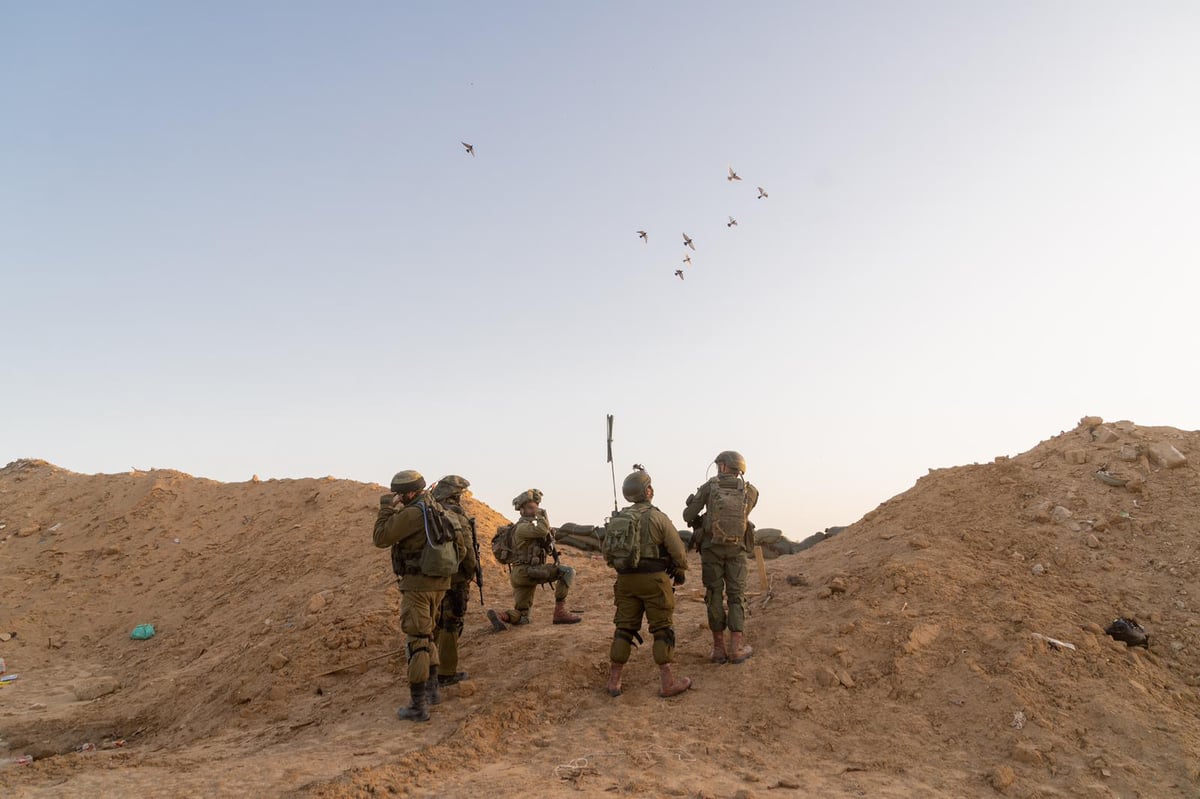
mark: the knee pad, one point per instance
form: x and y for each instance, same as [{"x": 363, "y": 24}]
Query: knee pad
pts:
[
  {"x": 667, "y": 635},
  {"x": 628, "y": 635},
  {"x": 567, "y": 575},
  {"x": 421, "y": 644}
]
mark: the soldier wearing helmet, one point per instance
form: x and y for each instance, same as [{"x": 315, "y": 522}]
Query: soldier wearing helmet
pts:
[
  {"x": 646, "y": 588},
  {"x": 533, "y": 540},
  {"x": 448, "y": 625},
  {"x": 402, "y": 524},
  {"x": 718, "y": 514}
]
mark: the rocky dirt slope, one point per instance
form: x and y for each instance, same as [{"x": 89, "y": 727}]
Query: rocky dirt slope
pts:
[{"x": 896, "y": 659}]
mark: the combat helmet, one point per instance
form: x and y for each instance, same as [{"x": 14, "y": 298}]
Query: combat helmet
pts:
[
  {"x": 449, "y": 486},
  {"x": 531, "y": 495},
  {"x": 407, "y": 480},
  {"x": 635, "y": 485},
  {"x": 733, "y": 460}
]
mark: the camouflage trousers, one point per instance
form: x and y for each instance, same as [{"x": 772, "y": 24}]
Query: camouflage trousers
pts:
[
  {"x": 449, "y": 626},
  {"x": 635, "y": 595},
  {"x": 724, "y": 572},
  {"x": 417, "y": 611}
]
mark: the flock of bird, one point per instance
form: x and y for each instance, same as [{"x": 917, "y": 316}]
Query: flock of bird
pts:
[{"x": 687, "y": 240}]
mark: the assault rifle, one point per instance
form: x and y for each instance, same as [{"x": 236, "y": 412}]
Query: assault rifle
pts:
[
  {"x": 478, "y": 560},
  {"x": 553, "y": 547}
]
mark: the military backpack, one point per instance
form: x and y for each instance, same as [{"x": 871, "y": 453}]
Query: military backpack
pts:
[
  {"x": 727, "y": 510},
  {"x": 624, "y": 537},
  {"x": 439, "y": 555},
  {"x": 503, "y": 546}
]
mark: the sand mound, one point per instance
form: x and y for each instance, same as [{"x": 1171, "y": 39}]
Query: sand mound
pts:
[{"x": 898, "y": 658}]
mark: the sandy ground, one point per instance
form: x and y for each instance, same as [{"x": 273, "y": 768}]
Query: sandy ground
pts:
[{"x": 896, "y": 659}]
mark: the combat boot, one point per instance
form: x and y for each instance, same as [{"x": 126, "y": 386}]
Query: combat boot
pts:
[
  {"x": 614, "y": 679},
  {"x": 451, "y": 679},
  {"x": 740, "y": 651},
  {"x": 672, "y": 685},
  {"x": 417, "y": 710},
  {"x": 564, "y": 616},
  {"x": 718, "y": 654},
  {"x": 432, "y": 695},
  {"x": 497, "y": 621}
]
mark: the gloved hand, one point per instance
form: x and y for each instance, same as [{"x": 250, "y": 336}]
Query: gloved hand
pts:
[
  {"x": 386, "y": 500},
  {"x": 678, "y": 578}
]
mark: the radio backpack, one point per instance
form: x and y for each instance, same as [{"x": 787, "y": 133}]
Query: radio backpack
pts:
[
  {"x": 727, "y": 509},
  {"x": 624, "y": 534}
]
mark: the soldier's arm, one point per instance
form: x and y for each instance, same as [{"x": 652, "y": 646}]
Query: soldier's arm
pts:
[
  {"x": 696, "y": 506},
  {"x": 466, "y": 553},
  {"x": 672, "y": 542},
  {"x": 394, "y": 525},
  {"x": 751, "y": 498},
  {"x": 527, "y": 532}
]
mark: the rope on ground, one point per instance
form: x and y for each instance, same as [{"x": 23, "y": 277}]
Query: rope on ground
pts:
[{"x": 577, "y": 767}]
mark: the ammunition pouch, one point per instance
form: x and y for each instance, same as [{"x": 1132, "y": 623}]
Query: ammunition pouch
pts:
[{"x": 646, "y": 566}]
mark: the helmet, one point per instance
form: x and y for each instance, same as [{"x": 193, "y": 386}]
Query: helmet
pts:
[
  {"x": 449, "y": 486},
  {"x": 635, "y": 485},
  {"x": 532, "y": 495},
  {"x": 733, "y": 460},
  {"x": 407, "y": 480}
]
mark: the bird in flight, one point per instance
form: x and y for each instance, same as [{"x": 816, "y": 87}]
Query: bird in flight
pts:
[
  {"x": 733, "y": 175},
  {"x": 470, "y": 148},
  {"x": 643, "y": 237},
  {"x": 679, "y": 274},
  {"x": 687, "y": 241},
  {"x": 687, "y": 259},
  {"x": 761, "y": 193},
  {"x": 731, "y": 223}
]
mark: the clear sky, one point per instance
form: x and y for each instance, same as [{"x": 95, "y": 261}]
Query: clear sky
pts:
[{"x": 244, "y": 238}]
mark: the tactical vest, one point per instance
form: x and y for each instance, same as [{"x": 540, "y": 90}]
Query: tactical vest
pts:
[
  {"x": 528, "y": 553},
  {"x": 727, "y": 511}
]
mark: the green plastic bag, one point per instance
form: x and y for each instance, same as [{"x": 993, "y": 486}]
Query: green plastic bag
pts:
[{"x": 142, "y": 632}]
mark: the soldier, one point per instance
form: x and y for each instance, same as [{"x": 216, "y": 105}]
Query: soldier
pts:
[
  {"x": 404, "y": 521},
  {"x": 724, "y": 536},
  {"x": 647, "y": 588},
  {"x": 448, "y": 625},
  {"x": 533, "y": 540}
]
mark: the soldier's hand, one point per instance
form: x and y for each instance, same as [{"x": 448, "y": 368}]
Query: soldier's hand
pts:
[
  {"x": 678, "y": 578},
  {"x": 386, "y": 501}
]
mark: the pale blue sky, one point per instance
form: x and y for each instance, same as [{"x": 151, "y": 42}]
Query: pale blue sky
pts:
[{"x": 242, "y": 238}]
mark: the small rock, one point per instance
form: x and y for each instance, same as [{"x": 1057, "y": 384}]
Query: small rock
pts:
[
  {"x": 278, "y": 660},
  {"x": 1041, "y": 511},
  {"x": 316, "y": 603},
  {"x": 1002, "y": 778},
  {"x": 1093, "y": 628},
  {"x": 1129, "y": 453},
  {"x": 1093, "y": 542},
  {"x": 1165, "y": 455},
  {"x": 797, "y": 579},
  {"x": 1091, "y": 422},
  {"x": 1105, "y": 435},
  {"x": 466, "y": 688},
  {"x": 94, "y": 687},
  {"x": 254, "y": 479},
  {"x": 1060, "y": 515},
  {"x": 1025, "y": 752},
  {"x": 845, "y": 679},
  {"x": 837, "y": 585},
  {"x": 919, "y": 542},
  {"x": 824, "y": 593},
  {"x": 28, "y": 531},
  {"x": 1077, "y": 456},
  {"x": 1038, "y": 569}
]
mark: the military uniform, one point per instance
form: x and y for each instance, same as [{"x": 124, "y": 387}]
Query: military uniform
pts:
[
  {"x": 648, "y": 589},
  {"x": 723, "y": 566},
  {"x": 404, "y": 529},
  {"x": 532, "y": 540},
  {"x": 452, "y": 610}
]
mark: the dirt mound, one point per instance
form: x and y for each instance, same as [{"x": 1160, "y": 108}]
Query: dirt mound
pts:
[{"x": 900, "y": 657}]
